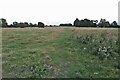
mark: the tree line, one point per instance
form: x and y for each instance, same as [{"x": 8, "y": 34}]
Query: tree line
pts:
[
  {"x": 94, "y": 23},
  {"x": 15, "y": 24},
  {"x": 77, "y": 23}
]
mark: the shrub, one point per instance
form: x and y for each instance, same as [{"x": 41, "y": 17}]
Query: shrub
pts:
[{"x": 100, "y": 46}]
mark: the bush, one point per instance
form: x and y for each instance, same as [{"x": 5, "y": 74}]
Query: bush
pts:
[{"x": 101, "y": 46}]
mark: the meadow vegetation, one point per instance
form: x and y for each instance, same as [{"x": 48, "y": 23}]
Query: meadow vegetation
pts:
[{"x": 60, "y": 52}]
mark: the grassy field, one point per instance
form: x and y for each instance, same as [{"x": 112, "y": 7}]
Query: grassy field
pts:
[{"x": 60, "y": 53}]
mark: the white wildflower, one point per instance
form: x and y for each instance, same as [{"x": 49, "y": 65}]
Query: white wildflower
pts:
[
  {"x": 84, "y": 48},
  {"x": 99, "y": 49},
  {"x": 96, "y": 73}
]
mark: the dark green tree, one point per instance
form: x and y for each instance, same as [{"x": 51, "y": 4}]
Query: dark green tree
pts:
[
  {"x": 15, "y": 24},
  {"x": 41, "y": 25},
  {"x": 114, "y": 24},
  {"x": 104, "y": 23},
  {"x": 76, "y": 22},
  {"x": 3, "y": 22}
]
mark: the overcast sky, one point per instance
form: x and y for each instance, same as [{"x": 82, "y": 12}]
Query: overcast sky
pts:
[{"x": 58, "y": 11}]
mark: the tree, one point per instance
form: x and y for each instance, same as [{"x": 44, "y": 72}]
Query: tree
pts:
[
  {"x": 40, "y": 24},
  {"x": 15, "y": 24},
  {"x": 104, "y": 23},
  {"x": 95, "y": 21},
  {"x": 76, "y": 22},
  {"x": 21, "y": 25},
  {"x": 89, "y": 23},
  {"x": 85, "y": 23},
  {"x": 3, "y": 22},
  {"x": 107, "y": 24},
  {"x": 114, "y": 24},
  {"x": 30, "y": 24},
  {"x": 26, "y": 24}
]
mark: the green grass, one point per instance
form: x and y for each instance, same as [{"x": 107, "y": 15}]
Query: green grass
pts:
[{"x": 59, "y": 53}]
